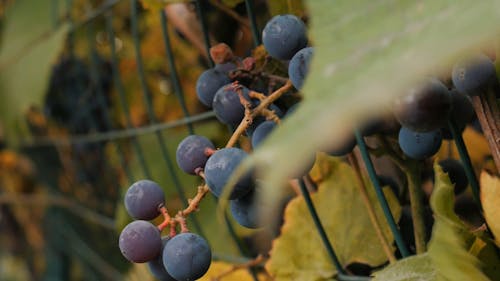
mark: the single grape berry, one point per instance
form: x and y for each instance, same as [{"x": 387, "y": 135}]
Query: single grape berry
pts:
[
  {"x": 456, "y": 173},
  {"x": 156, "y": 266},
  {"x": 283, "y": 36},
  {"x": 462, "y": 112},
  {"x": 227, "y": 105},
  {"x": 140, "y": 241},
  {"x": 419, "y": 145},
  {"x": 261, "y": 132},
  {"x": 191, "y": 153},
  {"x": 424, "y": 108},
  {"x": 220, "y": 167},
  {"x": 474, "y": 75},
  {"x": 187, "y": 256},
  {"x": 245, "y": 210},
  {"x": 299, "y": 66},
  {"x": 143, "y": 199},
  {"x": 208, "y": 83}
]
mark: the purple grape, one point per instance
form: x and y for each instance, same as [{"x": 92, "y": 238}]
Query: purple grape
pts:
[
  {"x": 261, "y": 132},
  {"x": 140, "y": 241},
  {"x": 474, "y": 75},
  {"x": 208, "y": 83},
  {"x": 220, "y": 167},
  {"x": 245, "y": 210},
  {"x": 462, "y": 112},
  {"x": 190, "y": 153},
  {"x": 187, "y": 256},
  {"x": 299, "y": 66},
  {"x": 419, "y": 145},
  {"x": 156, "y": 265},
  {"x": 425, "y": 108},
  {"x": 227, "y": 106},
  {"x": 143, "y": 199},
  {"x": 283, "y": 36}
]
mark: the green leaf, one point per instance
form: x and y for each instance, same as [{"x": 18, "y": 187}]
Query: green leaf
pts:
[
  {"x": 490, "y": 199},
  {"x": 414, "y": 268},
  {"x": 485, "y": 250},
  {"x": 450, "y": 238},
  {"x": 367, "y": 53},
  {"x": 30, "y": 44},
  {"x": 298, "y": 253}
]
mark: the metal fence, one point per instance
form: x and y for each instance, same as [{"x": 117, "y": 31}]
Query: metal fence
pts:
[{"x": 66, "y": 241}]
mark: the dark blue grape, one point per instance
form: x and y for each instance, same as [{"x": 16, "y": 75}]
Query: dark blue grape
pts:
[
  {"x": 187, "y": 256},
  {"x": 283, "y": 36},
  {"x": 190, "y": 153},
  {"x": 227, "y": 106},
  {"x": 419, "y": 145},
  {"x": 456, "y": 173},
  {"x": 474, "y": 75},
  {"x": 261, "y": 132},
  {"x": 140, "y": 241},
  {"x": 208, "y": 83},
  {"x": 156, "y": 266},
  {"x": 245, "y": 210},
  {"x": 220, "y": 167},
  {"x": 299, "y": 66},
  {"x": 462, "y": 112},
  {"x": 143, "y": 199},
  {"x": 425, "y": 108},
  {"x": 225, "y": 67}
]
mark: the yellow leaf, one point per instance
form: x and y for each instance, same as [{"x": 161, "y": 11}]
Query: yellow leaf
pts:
[
  {"x": 217, "y": 268},
  {"x": 299, "y": 254},
  {"x": 490, "y": 199}
]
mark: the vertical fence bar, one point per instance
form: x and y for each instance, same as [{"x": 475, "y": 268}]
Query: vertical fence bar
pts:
[
  {"x": 147, "y": 99},
  {"x": 253, "y": 22},
  {"x": 204, "y": 29},
  {"x": 94, "y": 76},
  {"x": 173, "y": 70},
  {"x": 464, "y": 157},
  {"x": 121, "y": 93},
  {"x": 320, "y": 228},
  {"x": 380, "y": 195}
]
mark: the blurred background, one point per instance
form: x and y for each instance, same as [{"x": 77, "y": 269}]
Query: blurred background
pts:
[{"x": 95, "y": 95}]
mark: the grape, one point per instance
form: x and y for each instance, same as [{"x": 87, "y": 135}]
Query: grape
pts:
[
  {"x": 143, "y": 199},
  {"x": 219, "y": 168},
  {"x": 425, "y": 108},
  {"x": 245, "y": 210},
  {"x": 190, "y": 153},
  {"x": 283, "y": 36},
  {"x": 227, "y": 106},
  {"x": 261, "y": 132},
  {"x": 225, "y": 67},
  {"x": 208, "y": 83},
  {"x": 462, "y": 112},
  {"x": 156, "y": 266},
  {"x": 299, "y": 66},
  {"x": 419, "y": 145},
  {"x": 140, "y": 241},
  {"x": 456, "y": 173},
  {"x": 187, "y": 256},
  {"x": 474, "y": 75},
  {"x": 343, "y": 148}
]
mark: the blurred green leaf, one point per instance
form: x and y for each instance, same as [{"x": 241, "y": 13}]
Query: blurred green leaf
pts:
[
  {"x": 450, "y": 238},
  {"x": 367, "y": 53},
  {"x": 414, "y": 268},
  {"x": 298, "y": 253},
  {"x": 30, "y": 44},
  {"x": 280, "y": 7}
]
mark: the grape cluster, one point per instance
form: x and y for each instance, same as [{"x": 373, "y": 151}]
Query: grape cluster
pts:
[{"x": 182, "y": 257}]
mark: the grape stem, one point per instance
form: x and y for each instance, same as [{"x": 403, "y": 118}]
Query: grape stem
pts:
[
  {"x": 251, "y": 114},
  {"x": 260, "y": 259},
  {"x": 370, "y": 208},
  {"x": 488, "y": 114}
]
